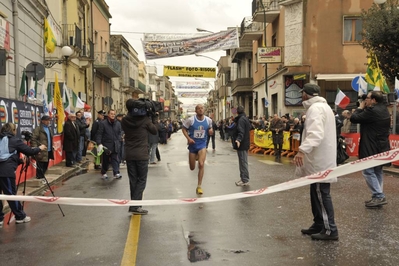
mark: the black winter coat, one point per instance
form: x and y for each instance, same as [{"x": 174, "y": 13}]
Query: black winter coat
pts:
[
  {"x": 374, "y": 123},
  {"x": 71, "y": 137},
  {"x": 9, "y": 167},
  {"x": 109, "y": 135},
  {"x": 136, "y": 130},
  {"x": 243, "y": 131}
]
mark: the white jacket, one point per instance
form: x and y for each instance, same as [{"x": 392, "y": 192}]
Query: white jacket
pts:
[{"x": 319, "y": 141}]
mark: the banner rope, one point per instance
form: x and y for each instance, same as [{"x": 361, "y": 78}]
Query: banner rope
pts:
[{"x": 327, "y": 176}]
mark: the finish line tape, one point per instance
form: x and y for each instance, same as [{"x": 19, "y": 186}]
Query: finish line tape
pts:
[{"x": 329, "y": 175}]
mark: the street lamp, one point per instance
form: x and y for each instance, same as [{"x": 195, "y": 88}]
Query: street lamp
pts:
[
  {"x": 66, "y": 52},
  {"x": 265, "y": 45}
]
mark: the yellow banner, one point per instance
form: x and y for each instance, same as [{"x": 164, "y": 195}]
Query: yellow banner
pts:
[
  {"x": 193, "y": 72},
  {"x": 49, "y": 38},
  {"x": 264, "y": 139},
  {"x": 59, "y": 106}
]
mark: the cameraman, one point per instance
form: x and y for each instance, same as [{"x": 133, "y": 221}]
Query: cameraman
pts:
[
  {"x": 8, "y": 167},
  {"x": 136, "y": 128}
]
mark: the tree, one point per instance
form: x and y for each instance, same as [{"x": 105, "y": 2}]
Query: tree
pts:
[{"x": 381, "y": 37}]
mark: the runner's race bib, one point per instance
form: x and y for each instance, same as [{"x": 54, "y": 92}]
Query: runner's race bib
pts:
[{"x": 199, "y": 134}]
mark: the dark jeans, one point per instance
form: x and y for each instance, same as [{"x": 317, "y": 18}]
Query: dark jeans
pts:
[
  {"x": 137, "y": 172},
  {"x": 277, "y": 149},
  {"x": 243, "y": 165},
  {"x": 41, "y": 168},
  {"x": 113, "y": 157},
  {"x": 322, "y": 207},
  {"x": 213, "y": 141},
  {"x": 8, "y": 187}
]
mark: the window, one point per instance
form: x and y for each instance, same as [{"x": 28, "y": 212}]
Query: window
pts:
[{"x": 352, "y": 29}]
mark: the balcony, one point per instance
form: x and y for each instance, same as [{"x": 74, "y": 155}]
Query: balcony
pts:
[
  {"x": 245, "y": 47},
  {"x": 250, "y": 30},
  {"x": 72, "y": 36},
  {"x": 242, "y": 85},
  {"x": 288, "y": 2},
  {"x": 107, "y": 65},
  {"x": 272, "y": 8}
]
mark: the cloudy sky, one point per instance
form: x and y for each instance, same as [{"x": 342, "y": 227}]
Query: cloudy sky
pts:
[{"x": 132, "y": 18}]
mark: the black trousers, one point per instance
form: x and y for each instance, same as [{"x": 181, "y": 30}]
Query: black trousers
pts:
[
  {"x": 41, "y": 168},
  {"x": 157, "y": 154},
  {"x": 137, "y": 172},
  {"x": 322, "y": 207},
  {"x": 213, "y": 141}
]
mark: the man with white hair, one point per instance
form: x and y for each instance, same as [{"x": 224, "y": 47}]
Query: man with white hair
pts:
[{"x": 318, "y": 152}]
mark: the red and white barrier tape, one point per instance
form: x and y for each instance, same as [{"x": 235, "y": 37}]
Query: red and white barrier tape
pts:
[{"x": 328, "y": 175}]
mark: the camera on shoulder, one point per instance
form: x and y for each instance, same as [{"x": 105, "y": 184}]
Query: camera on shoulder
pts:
[
  {"x": 143, "y": 107},
  {"x": 26, "y": 135}
]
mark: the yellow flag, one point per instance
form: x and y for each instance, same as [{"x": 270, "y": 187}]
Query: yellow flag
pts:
[
  {"x": 49, "y": 38},
  {"x": 59, "y": 106}
]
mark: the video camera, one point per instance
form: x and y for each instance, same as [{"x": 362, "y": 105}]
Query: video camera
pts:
[
  {"x": 142, "y": 107},
  {"x": 26, "y": 135}
]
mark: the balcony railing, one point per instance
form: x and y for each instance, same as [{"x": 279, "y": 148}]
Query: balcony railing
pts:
[
  {"x": 72, "y": 35},
  {"x": 107, "y": 65},
  {"x": 272, "y": 10}
]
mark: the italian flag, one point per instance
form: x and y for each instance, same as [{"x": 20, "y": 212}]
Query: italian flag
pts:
[{"x": 341, "y": 99}]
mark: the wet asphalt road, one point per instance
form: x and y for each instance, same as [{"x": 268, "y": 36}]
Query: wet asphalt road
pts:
[{"x": 262, "y": 230}]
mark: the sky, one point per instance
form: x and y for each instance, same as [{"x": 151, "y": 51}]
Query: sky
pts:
[{"x": 133, "y": 18}]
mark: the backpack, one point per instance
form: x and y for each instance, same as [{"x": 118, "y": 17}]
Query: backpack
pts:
[
  {"x": 4, "y": 151},
  {"x": 342, "y": 156}
]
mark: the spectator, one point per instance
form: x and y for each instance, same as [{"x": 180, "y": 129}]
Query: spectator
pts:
[
  {"x": 242, "y": 143},
  {"x": 277, "y": 127},
  {"x": 214, "y": 127},
  {"x": 108, "y": 136},
  {"x": 71, "y": 140},
  {"x": 93, "y": 132},
  {"x": 9, "y": 162},
  {"x": 346, "y": 123},
  {"x": 318, "y": 152},
  {"x": 80, "y": 122},
  {"x": 43, "y": 135},
  {"x": 121, "y": 154},
  {"x": 374, "y": 119}
]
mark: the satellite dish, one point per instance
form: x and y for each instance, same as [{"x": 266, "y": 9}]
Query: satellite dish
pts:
[
  {"x": 108, "y": 101},
  {"x": 35, "y": 70}
]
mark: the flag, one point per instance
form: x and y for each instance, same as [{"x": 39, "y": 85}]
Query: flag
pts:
[
  {"x": 22, "y": 88},
  {"x": 362, "y": 89},
  {"x": 32, "y": 89},
  {"x": 374, "y": 75},
  {"x": 341, "y": 99},
  {"x": 65, "y": 99},
  {"x": 77, "y": 102},
  {"x": 49, "y": 38},
  {"x": 58, "y": 105},
  {"x": 44, "y": 100}
]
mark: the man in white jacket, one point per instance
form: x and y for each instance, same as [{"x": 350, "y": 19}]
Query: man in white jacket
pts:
[{"x": 318, "y": 152}]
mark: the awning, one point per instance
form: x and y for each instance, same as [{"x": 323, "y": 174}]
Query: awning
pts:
[{"x": 337, "y": 77}]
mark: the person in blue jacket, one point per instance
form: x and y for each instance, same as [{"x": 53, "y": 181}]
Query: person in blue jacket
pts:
[{"x": 8, "y": 167}]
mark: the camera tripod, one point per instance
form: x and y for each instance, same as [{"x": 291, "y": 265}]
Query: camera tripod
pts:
[{"x": 23, "y": 172}]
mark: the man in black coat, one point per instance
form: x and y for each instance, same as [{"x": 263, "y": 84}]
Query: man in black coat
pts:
[
  {"x": 374, "y": 119},
  {"x": 108, "y": 136},
  {"x": 71, "y": 140},
  {"x": 242, "y": 143},
  {"x": 8, "y": 167}
]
